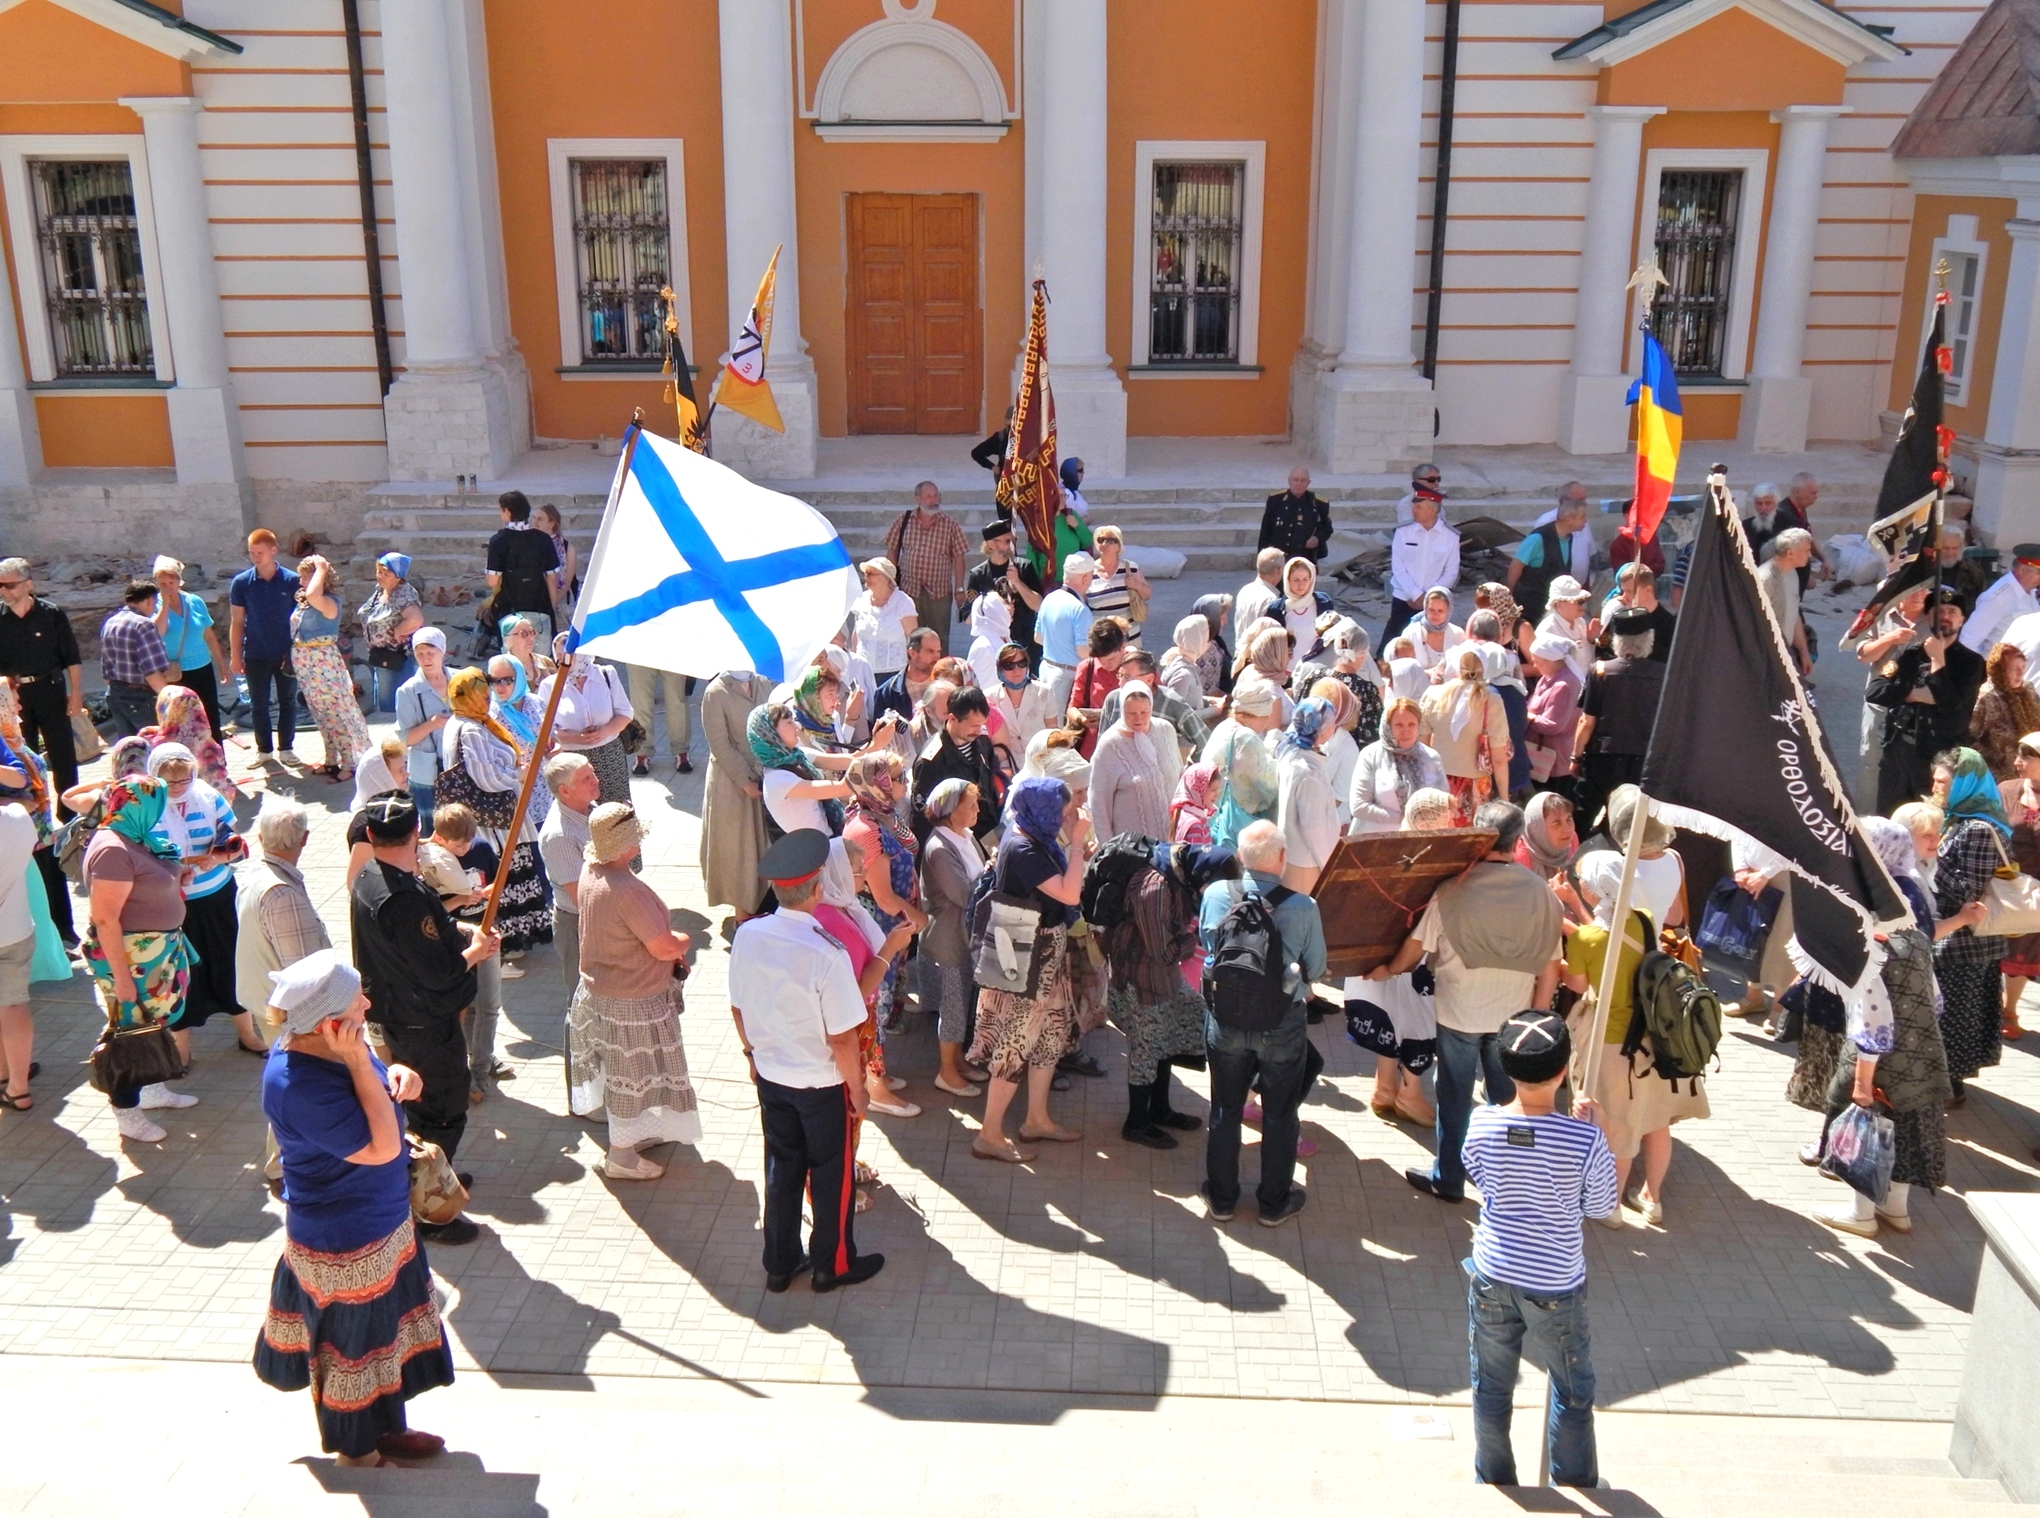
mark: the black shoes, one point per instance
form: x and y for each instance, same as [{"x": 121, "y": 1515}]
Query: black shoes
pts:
[
  {"x": 1422, "y": 1180},
  {"x": 862, "y": 1269},
  {"x": 1148, "y": 1135},
  {"x": 778, "y": 1283},
  {"x": 461, "y": 1230},
  {"x": 1080, "y": 1063},
  {"x": 1216, "y": 1213},
  {"x": 683, "y": 765},
  {"x": 1291, "y": 1206}
]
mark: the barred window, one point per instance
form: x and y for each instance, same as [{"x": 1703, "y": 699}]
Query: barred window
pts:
[
  {"x": 623, "y": 248},
  {"x": 1194, "y": 261},
  {"x": 1697, "y": 216},
  {"x": 91, "y": 244}
]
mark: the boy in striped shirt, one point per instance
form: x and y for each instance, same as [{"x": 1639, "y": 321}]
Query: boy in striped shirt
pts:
[{"x": 1540, "y": 1174}]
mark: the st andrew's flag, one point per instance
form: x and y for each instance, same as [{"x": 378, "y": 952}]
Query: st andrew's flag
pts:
[
  {"x": 1737, "y": 752},
  {"x": 1660, "y": 426},
  {"x": 697, "y": 570}
]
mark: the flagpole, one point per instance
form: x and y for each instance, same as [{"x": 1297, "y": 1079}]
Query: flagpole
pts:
[
  {"x": 552, "y": 708},
  {"x": 1611, "y": 961}
]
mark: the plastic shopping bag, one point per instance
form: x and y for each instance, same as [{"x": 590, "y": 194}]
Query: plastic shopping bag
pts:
[{"x": 1861, "y": 1148}]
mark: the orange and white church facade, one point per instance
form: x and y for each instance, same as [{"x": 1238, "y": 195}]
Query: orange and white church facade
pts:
[{"x": 265, "y": 249}]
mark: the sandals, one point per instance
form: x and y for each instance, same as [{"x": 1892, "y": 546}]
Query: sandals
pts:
[
  {"x": 2010, "y": 1031},
  {"x": 23, "y": 1102},
  {"x": 866, "y": 1176}
]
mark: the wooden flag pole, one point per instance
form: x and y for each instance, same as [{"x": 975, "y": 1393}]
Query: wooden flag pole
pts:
[
  {"x": 552, "y": 708},
  {"x": 1611, "y": 962}
]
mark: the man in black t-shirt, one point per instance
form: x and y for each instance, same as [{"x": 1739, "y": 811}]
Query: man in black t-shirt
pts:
[
  {"x": 1617, "y": 711},
  {"x": 523, "y": 565},
  {"x": 1022, "y": 582}
]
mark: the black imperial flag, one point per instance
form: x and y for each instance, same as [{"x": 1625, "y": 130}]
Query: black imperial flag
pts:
[
  {"x": 1908, "y": 526},
  {"x": 1737, "y": 752}
]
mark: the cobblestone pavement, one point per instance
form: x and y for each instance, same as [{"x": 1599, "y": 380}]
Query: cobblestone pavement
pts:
[{"x": 1091, "y": 1271}]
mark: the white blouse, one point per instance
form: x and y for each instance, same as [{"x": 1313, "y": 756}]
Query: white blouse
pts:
[
  {"x": 880, "y": 637},
  {"x": 589, "y": 700}
]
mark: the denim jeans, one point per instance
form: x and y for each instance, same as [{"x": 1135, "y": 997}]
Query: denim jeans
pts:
[
  {"x": 260, "y": 673},
  {"x": 1460, "y": 1055},
  {"x": 1278, "y": 1058},
  {"x": 1499, "y": 1318},
  {"x": 421, "y": 797},
  {"x": 133, "y": 707},
  {"x": 384, "y": 682}
]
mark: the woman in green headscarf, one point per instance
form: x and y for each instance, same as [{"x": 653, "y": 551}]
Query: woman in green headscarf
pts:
[
  {"x": 135, "y": 944},
  {"x": 1975, "y": 840}
]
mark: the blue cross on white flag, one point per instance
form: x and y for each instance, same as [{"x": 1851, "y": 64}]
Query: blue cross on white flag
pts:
[{"x": 698, "y": 570}]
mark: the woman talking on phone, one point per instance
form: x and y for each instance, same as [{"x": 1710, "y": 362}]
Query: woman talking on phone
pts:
[{"x": 351, "y": 1312}]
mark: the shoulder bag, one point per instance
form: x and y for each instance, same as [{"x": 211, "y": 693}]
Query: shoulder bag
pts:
[
  {"x": 1003, "y": 929},
  {"x": 492, "y": 809},
  {"x": 1136, "y": 603},
  {"x": 636, "y": 733},
  {"x": 2011, "y": 902},
  {"x": 437, "y": 1195}
]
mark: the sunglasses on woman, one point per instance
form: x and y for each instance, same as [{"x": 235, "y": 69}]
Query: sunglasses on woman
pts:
[{"x": 502, "y": 680}]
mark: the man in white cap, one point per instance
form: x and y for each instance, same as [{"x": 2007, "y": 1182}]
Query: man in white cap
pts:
[
  {"x": 1063, "y": 626},
  {"x": 1422, "y": 554},
  {"x": 798, "y": 1010},
  {"x": 421, "y": 716}
]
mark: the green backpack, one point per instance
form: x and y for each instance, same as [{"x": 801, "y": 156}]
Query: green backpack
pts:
[{"x": 1681, "y": 1016}]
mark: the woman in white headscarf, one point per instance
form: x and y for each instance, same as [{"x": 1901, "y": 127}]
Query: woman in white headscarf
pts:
[
  {"x": 1434, "y": 634},
  {"x": 1301, "y": 605},
  {"x": 991, "y": 627},
  {"x": 1468, "y": 726},
  {"x": 1392, "y": 769},
  {"x": 1133, "y": 776},
  {"x": 951, "y": 861},
  {"x": 1182, "y": 669},
  {"x": 1638, "y": 1106},
  {"x": 1347, "y": 656}
]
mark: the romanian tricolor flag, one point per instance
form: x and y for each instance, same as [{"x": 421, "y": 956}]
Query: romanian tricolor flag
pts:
[{"x": 1659, "y": 426}]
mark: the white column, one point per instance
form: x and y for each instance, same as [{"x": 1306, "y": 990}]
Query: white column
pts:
[
  {"x": 1375, "y": 412},
  {"x": 20, "y": 438},
  {"x": 1593, "y": 417},
  {"x": 450, "y": 411},
  {"x": 1779, "y": 402},
  {"x": 758, "y": 216},
  {"x": 2008, "y": 458},
  {"x": 205, "y": 422},
  {"x": 1090, "y": 401},
  {"x": 1331, "y": 227}
]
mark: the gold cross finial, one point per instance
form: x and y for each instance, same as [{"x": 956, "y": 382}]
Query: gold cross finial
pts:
[{"x": 1647, "y": 281}]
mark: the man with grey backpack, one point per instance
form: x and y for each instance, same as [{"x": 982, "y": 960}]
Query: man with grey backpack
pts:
[{"x": 1264, "y": 947}]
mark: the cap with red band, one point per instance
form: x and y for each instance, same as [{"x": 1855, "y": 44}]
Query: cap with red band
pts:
[{"x": 795, "y": 859}]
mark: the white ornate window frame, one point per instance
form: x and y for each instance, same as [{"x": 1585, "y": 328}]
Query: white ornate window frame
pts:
[
  {"x": 1962, "y": 239},
  {"x": 1751, "y": 226},
  {"x": 559, "y": 155},
  {"x": 912, "y": 23},
  {"x": 1145, "y": 156},
  {"x": 38, "y": 347}
]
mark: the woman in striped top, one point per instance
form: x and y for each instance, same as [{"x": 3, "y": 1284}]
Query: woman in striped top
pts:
[
  {"x": 1116, "y": 582},
  {"x": 200, "y": 822}
]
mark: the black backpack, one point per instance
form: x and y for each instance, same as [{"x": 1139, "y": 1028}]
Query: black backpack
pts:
[
  {"x": 1109, "y": 874},
  {"x": 1243, "y": 984}
]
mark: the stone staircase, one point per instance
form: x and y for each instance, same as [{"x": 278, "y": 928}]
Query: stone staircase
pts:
[{"x": 1213, "y": 527}]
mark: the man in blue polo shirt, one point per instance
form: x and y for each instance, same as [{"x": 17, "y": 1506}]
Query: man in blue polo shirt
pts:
[
  {"x": 260, "y": 600},
  {"x": 1062, "y": 627}
]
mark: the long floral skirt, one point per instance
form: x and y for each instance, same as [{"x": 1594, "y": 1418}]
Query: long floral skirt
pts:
[
  {"x": 1973, "y": 1015},
  {"x": 629, "y": 1062},
  {"x": 612, "y": 769},
  {"x": 329, "y": 692},
  {"x": 525, "y": 917},
  {"x": 1468, "y": 793},
  {"x": 360, "y": 1329},
  {"x": 1172, "y": 1028},
  {"x": 1016, "y": 1032}
]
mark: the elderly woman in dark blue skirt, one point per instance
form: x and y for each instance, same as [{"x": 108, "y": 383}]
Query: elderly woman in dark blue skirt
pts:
[{"x": 351, "y": 1314}]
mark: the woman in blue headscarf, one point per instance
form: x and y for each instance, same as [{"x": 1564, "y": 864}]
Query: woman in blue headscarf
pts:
[
  {"x": 1032, "y": 1031},
  {"x": 1975, "y": 842},
  {"x": 1305, "y": 808},
  {"x": 389, "y": 617}
]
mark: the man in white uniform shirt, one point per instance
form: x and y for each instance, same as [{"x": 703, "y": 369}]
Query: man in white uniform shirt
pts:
[
  {"x": 798, "y": 1011},
  {"x": 2010, "y": 598},
  {"x": 1425, "y": 553}
]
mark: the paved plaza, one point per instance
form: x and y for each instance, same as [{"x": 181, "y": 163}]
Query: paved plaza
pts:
[{"x": 1088, "y": 1279}]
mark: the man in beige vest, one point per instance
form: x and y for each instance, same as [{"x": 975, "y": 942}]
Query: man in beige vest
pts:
[{"x": 278, "y": 927}]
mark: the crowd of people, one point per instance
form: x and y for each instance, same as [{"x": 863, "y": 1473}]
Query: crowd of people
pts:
[{"x": 1077, "y": 820}]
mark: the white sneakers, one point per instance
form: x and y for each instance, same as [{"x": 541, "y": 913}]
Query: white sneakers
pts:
[
  {"x": 162, "y": 1096},
  {"x": 133, "y": 1125}
]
